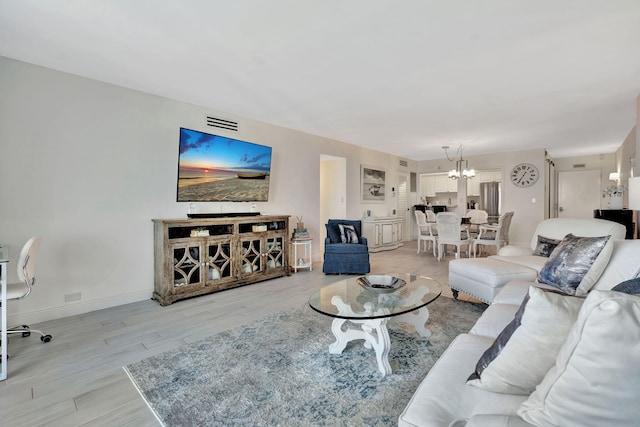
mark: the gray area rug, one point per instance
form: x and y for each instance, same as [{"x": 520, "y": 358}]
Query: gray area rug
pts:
[{"x": 278, "y": 372}]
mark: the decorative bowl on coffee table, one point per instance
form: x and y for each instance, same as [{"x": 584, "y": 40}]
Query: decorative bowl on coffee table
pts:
[{"x": 381, "y": 283}]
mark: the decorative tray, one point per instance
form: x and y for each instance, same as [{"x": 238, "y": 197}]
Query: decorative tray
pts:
[{"x": 381, "y": 283}]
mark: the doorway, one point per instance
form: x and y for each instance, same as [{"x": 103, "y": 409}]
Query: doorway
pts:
[{"x": 578, "y": 193}]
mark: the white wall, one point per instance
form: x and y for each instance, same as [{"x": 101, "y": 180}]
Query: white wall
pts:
[
  {"x": 333, "y": 192},
  {"x": 87, "y": 165}
]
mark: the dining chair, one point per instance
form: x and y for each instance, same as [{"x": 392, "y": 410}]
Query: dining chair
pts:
[
  {"x": 477, "y": 217},
  {"x": 427, "y": 232},
  {"x": 494, "y": 235},
  {"x": 451, "y": 232}
]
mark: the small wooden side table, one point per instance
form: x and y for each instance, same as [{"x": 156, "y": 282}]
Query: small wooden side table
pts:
[{"x": 302, "y": 254}]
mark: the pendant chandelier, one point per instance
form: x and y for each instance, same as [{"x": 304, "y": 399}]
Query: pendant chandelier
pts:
[{"x": 462, "y": 166}]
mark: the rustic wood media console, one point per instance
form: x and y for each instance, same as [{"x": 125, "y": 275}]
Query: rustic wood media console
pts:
[{"x": 199, "y": 256}]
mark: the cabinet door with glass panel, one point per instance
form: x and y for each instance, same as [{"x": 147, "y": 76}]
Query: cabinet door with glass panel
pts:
[
  {"x": 188, "y": 265},
  {"x": 262, "y": 254},
  {"x": 219, "y": 262}
]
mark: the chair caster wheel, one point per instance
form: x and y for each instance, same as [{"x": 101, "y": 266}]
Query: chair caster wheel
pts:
[
  {"x": 27, "y": 333},
  {"x": 46, "y": 338}
]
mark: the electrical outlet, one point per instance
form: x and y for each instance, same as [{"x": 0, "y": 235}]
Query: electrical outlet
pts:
[{"x": 76, "y": 296}]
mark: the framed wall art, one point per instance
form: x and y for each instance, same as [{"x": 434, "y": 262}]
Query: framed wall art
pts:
[{"x": 373, "y": 184}]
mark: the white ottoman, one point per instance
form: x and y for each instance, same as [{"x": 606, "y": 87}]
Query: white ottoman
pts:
[{"x": 482, "y": 278}]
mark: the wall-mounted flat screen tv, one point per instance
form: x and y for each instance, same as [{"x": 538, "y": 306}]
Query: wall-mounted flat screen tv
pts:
[{"x": 214, "y": 168}]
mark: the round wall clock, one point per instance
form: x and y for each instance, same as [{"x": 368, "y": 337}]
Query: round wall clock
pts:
[{"x": 524, "y": 175}]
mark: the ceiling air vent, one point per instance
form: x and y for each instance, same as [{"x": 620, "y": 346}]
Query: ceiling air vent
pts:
[
  {"x": 579, "y": 165},
  {"x": 404, "y": 163},
  {"x": 217, "y": 122}
]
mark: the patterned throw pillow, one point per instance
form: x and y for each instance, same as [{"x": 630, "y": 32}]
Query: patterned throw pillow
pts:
[
  {"x": 348, "y": 234},
  {"x": 576, "y": 263},
  {"x": 545, "y": 246}
]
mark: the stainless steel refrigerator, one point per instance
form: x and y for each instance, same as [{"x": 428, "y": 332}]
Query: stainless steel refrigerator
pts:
[{"x": 490, "y": 199}]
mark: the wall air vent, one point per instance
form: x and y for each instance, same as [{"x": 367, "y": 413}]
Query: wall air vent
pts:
[
  {"x": 404, "y": 163},
  {"x": 217, "y": 122},
  {"x": 579, "y": 165}
]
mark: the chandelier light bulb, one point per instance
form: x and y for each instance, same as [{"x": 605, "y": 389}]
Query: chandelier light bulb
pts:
[{"x": 459, "y": 171}]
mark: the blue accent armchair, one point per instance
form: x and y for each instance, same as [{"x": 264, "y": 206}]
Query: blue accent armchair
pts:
[{"x": 350, "y": 258}]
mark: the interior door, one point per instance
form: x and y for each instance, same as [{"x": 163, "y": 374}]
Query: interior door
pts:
[
  {"x": 578, "y": 193},
  {"x": 402, "y": 206}
]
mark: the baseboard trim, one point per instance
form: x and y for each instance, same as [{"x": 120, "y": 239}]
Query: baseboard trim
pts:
[{"x": 81, "y": 307}]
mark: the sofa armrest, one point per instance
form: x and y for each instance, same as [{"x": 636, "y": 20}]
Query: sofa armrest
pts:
[
  {"x": 512, "y": 250},
  {"x": 363, "y": 241}
]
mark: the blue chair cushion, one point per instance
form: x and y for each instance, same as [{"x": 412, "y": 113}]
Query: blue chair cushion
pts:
[{"x": 346, "y": 248}]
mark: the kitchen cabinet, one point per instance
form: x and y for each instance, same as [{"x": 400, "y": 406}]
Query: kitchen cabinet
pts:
[
  {"x": 428, "y": 185},
  {"x": 444, "y": 184}
]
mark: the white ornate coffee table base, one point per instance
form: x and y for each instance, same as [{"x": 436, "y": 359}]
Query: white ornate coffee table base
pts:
[{"x": 374, "y": 332}]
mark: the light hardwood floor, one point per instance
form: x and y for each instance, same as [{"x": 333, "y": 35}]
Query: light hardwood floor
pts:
[{"x": 77, "y": 379}]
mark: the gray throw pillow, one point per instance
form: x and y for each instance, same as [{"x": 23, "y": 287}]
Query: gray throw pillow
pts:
[
  {"x": 631, "y": 287},
  {"x": 569, "y": 265},
  {"x": 333, "y": 233},
  {"x": 501, "y": 340},
  {"x": 545, "y": 246},
  {"x": 348, "y": 234}
]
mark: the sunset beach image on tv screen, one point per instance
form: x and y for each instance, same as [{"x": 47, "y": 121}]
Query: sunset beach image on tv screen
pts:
[{"x": 214, "y": 168}]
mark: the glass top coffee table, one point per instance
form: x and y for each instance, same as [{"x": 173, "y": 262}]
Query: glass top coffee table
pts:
[{"x": 365, "y": 306}]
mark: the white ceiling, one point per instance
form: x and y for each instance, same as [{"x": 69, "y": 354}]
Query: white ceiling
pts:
[{"x": 400, "y": 76}]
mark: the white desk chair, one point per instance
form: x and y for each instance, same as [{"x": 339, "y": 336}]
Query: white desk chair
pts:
[
  {"x": 431, "y": 217},
  {"x": 451, "y": 232},
  {"x": 427, "y": 232},
  {"x": 494, "y": 235},
  {"x": 26, "y": 270}
]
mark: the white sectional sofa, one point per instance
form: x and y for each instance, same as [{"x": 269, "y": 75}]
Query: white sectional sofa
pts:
[
  {"x": 483, "y": 278},
  {"x": 445, "y": 399}
]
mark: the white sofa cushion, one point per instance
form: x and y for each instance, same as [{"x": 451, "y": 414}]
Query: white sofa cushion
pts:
[
  {"x": 443, "y": 396},
  {"x": 544, "y": 323},
  {"x": 576, "y": 263},
  {"x": 492, "y": 420},
  {"x": 533, "y": 262},
  {"x": 557, "y": 228},
  {"x": 515, "y": 291},
  {"x": 623, "y": 265},
  {"x": 495, "y": 319},
  {"x": 596, "y": 378}
]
